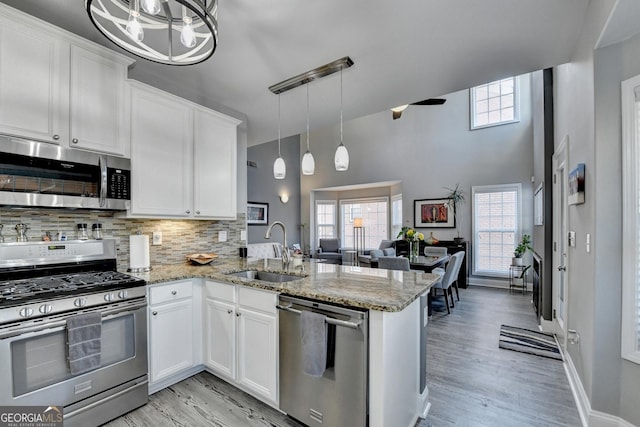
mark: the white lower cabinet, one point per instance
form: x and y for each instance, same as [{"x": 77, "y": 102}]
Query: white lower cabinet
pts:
[
  {"x": 173, "y": 327},
  {"x": 241, "y": 341}
]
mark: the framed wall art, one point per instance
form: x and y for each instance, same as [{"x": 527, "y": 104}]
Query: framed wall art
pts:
[
  {"x": 576, "y": 185},
  {"x": 434, "y": 213},
  {"x": 257, "y": 213}
]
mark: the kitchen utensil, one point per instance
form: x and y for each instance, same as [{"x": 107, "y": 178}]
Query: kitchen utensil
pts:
[
  {"x": 21, "y": 229},
  {"x": 82, "y": 232}
]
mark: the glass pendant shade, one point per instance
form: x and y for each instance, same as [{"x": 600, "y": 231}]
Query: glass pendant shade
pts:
[
  {"x": 172, "y": 32},
  {"x": 341, "y": 159},
  {"x": 279, "y": 168},
  {"x": 308, "y": 164}
]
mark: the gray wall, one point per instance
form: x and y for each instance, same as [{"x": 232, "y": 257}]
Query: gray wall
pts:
[
  {"x": 428, "y": 148},
  {"x": 263, "y": 187},
  {"x": 588, "y": 111}
]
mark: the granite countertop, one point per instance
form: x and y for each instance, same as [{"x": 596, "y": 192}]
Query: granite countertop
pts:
[{"x": 371, "y": 288}]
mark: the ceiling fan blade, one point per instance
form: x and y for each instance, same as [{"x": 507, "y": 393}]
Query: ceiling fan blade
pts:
[
  {"x": 396, "y": 114},
  {"x": 431, "y": 101}
]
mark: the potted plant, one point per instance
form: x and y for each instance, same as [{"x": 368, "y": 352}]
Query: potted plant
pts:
[
  {"x": 521, "y": 248},
  {"x": 456, "y": 198}
]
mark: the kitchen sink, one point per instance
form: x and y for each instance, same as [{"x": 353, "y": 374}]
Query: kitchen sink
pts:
[{"x": 266, "y": 276}]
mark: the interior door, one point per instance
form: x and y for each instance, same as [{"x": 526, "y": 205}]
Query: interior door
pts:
[{"x": 560, "y": 228}]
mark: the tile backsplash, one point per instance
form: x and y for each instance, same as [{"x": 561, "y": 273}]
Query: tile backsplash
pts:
[{"x": 179, "y": 237}]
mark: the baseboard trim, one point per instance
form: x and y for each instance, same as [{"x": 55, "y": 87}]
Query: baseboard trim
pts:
[{"x": 588, "y": 416}]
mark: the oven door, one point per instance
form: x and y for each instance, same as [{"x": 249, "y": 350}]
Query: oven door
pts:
[{"x": 37, "y": 369}]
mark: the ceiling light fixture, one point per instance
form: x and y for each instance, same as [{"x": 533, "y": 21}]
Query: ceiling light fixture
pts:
[
  {"x": 308, "y": 163},
  {"x": 172, "y": 32},
  {"x": 341, "y": 158},
  {"x": 279, "y": 167}
]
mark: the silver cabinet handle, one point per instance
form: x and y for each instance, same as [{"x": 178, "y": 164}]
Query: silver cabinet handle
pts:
[
  {"x": 229, "y": 311},
  {"x": 174, "y": 292},
  {"x": 155, "y": 313},
  {"x": 562, "y": 268},
  {"x": 56, "y": 137},
  {"x": 74, "y": 140}
]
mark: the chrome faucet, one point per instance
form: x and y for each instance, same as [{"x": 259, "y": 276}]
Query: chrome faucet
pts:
[{"x": 285, "y": 249}]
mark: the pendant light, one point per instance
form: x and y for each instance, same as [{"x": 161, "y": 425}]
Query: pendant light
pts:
[
  {"x": 341, "y": 159},
  {"x": 172, "y": 32},
  {"x": 279, "y": 167},
  {"x": 308, "y": 163}
]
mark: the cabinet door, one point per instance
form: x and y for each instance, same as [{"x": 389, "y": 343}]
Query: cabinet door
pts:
[
  {"x": 161, "y": 155},
  {"x": 220, "y": 337},
  {"x": 215, "y": 152},
  {"x": 97, "y": 103},
  {"x": 34, "y": 85},
  {"x": 257, "y": 352},
  {"x": 170, "y": 338}
]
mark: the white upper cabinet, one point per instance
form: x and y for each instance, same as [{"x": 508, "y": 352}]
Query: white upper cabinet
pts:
[
  {"x": 34, "y": 84},
  {"x": 214, "y": 161},
  {"x": 183, "y": 158},
  {"x": 57, "y": 87},
  {"x": 98, "y": 106},
  {"x": 161, "y": 154}
]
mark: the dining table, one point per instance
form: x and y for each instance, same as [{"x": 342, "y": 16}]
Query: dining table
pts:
[{"x": 427, "y": 263}]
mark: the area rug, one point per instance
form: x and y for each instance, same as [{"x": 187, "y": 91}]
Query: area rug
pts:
[{"x": 528, "y": 341}]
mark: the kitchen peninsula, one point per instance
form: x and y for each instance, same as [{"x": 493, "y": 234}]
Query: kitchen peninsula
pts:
[{"x": 392, "y": 299}]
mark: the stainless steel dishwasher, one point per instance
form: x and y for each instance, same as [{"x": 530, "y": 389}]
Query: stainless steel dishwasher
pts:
[{"x": 340, "y": 396}]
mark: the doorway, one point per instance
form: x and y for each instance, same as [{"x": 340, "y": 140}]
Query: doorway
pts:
[{"x": 560, "y": 269}]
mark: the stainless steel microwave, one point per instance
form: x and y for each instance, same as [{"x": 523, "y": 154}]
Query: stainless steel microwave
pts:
[{"x": 46, "y": 175}]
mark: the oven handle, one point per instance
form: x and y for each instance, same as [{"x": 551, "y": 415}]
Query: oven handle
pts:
[
  {"x": 103, "y": 180},
  {"x": 61, "y": 322}
]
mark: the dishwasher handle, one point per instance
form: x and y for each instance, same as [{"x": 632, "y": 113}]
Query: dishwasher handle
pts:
[{"x": 329, "y": 320}]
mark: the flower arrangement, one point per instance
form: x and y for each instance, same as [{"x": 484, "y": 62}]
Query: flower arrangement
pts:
[{"x": 410, "y": 234}]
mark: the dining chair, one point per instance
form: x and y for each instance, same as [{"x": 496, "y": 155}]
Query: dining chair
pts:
[
  {"x": 435, "y": 251},
  {"x": 394, "y": 263},
  {"x": 449, "y": 277}
]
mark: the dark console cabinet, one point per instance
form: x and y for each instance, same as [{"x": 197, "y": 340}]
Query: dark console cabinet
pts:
[{"x": 402, "y": 248}]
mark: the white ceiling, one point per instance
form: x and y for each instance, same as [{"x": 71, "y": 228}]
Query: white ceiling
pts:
[{"x": 404, "y": 51}]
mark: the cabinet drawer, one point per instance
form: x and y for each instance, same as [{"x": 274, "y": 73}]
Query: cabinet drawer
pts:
[
  {"x": 159, "y": 294},
  {"x": 256, "y": 299},
  {"x": 221, "y": 291}
]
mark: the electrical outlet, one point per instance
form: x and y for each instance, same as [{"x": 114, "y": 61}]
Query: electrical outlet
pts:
[
  {"x": 222, "y": 236},
  {"x": 156, "y": 238}
]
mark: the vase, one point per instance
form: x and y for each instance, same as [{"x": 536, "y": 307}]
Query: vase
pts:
[
  {"x": 431, "y": 240},
  {"x": 414, "y": 248}
]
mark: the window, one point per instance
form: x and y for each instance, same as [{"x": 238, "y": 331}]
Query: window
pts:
[
  {"x": 495, "y": 103},
  {"x": 496, "y": 218},
  {"x": 631, "y": 220},
  {"x": 326, "y": 219},
  {"x": 396, "y": 215},
  {"x": 375, "y": 219}
]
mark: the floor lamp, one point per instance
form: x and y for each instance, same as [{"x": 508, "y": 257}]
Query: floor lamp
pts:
[{"x": 358, "y": 238}]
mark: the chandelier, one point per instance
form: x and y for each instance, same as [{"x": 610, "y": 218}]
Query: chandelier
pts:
[{"x": 172, "y": 32}]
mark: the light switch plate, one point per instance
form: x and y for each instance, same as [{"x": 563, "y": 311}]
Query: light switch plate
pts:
[
  {"x": 243, "y": 234},
  {"x": 222, "y": 236},
  {"x": 156, "y": 238}
]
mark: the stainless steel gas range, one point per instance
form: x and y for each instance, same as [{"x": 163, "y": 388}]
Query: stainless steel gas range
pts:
[{"x": 73, "y": 330}]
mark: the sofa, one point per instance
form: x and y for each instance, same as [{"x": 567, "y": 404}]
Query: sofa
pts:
[
  {"x": 370, "y": 258},
  {"x": 329, "y": 249}
]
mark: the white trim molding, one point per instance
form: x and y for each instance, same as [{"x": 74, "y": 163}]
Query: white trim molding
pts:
[{"x": 588, "y": 416}]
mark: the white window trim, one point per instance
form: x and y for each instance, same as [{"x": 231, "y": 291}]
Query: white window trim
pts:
[
  {"x": 516, "y": 106},
  {"x": 363, "y": 200},
  {"x": 487, "y": 189},
  {"x": 394, "y": 198},
  {"x": 337, "y": 214},
  {"x": 630, "y": 220}
]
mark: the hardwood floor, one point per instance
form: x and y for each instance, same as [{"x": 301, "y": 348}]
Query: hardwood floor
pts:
[{"x": 471, "y": 381}]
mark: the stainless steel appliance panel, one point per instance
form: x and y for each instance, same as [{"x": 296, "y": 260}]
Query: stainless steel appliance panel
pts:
[
  {"x": 36, "y": 366},
  {"x": 340, "y": 396}
]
